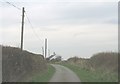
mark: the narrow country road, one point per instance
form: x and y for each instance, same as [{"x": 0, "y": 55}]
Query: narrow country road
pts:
[{"x": 63, "y": 74}]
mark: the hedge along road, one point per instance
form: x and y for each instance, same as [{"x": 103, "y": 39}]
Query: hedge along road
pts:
[{"x": 63, "y": 74}]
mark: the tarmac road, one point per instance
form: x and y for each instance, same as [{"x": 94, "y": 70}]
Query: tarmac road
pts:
[{"x": 63, "y": 74}]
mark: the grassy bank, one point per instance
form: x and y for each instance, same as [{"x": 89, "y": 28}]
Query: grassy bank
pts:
[
  {"x": 17, "y": 64},
  {"x": 92, "y": 76},
  {"x": 45, "y": 76}
]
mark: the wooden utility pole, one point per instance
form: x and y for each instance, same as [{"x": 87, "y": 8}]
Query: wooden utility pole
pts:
[
  {"x": 45, "y": 48},
  {"x": 43, "y": 51},
  {"x": 22, "y": 30}
]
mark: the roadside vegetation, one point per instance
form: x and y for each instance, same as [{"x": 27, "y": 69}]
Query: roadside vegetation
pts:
[
  {"x": 39, "y": 76},
  {"x": 24, "y": 66},
  {"x": 20, "y": 66},
  {"x": 92, "y": 76},
  {"x": 101, "y": 67},
  {"x": 45, "y": 76}
]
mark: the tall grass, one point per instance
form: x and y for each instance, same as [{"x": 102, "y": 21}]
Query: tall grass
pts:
[
  {"x": 92, "y": 76},
  {"x": 45, "y": 76}
]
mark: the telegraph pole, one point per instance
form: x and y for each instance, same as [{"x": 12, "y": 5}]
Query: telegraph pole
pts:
[
  {"x": 45, "y": 48},
  {"x": 22, "y": 30},
  {"x": 43, "y": 51}
]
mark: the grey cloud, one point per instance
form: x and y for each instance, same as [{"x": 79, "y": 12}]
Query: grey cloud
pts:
[
  {"x": 112, "y": 21},
  {"x": 88, "y": 14},
  {"x": 78, "y": 13},
  {"x": 48, "y": 29},
  {"x": 68, "y": 13}
]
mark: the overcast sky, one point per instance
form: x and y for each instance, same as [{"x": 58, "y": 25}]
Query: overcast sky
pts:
[{"x": 72, "y": 27}]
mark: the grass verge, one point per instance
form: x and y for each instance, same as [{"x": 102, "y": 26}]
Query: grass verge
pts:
[
  {"x": 92, "y": 76},
  {"x": 45, "y": 76}
]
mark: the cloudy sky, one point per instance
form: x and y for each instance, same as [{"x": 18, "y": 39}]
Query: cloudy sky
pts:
[{"x": 73, "y": 27}]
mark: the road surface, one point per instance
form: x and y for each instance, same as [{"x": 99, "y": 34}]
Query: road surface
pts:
[{"x": 63, "y": 74}]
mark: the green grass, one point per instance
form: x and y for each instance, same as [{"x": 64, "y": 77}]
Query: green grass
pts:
[
  {"x": 92, "y": 76},
  {"x": 45, "y": 76}
]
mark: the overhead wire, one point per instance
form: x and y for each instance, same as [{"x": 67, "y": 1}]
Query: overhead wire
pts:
[
  {"x": 36, "y": 35},
  {"x": 32, "y": 26},
  {"x": 26, "y": 17},
  {"x": 12, "y": 4}
]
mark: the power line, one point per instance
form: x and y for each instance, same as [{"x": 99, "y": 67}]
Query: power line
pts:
[
  {"x": 26, "y": 17},
  {"x": 32, "y": 26},
  {"x": 13, "y": 5}
]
